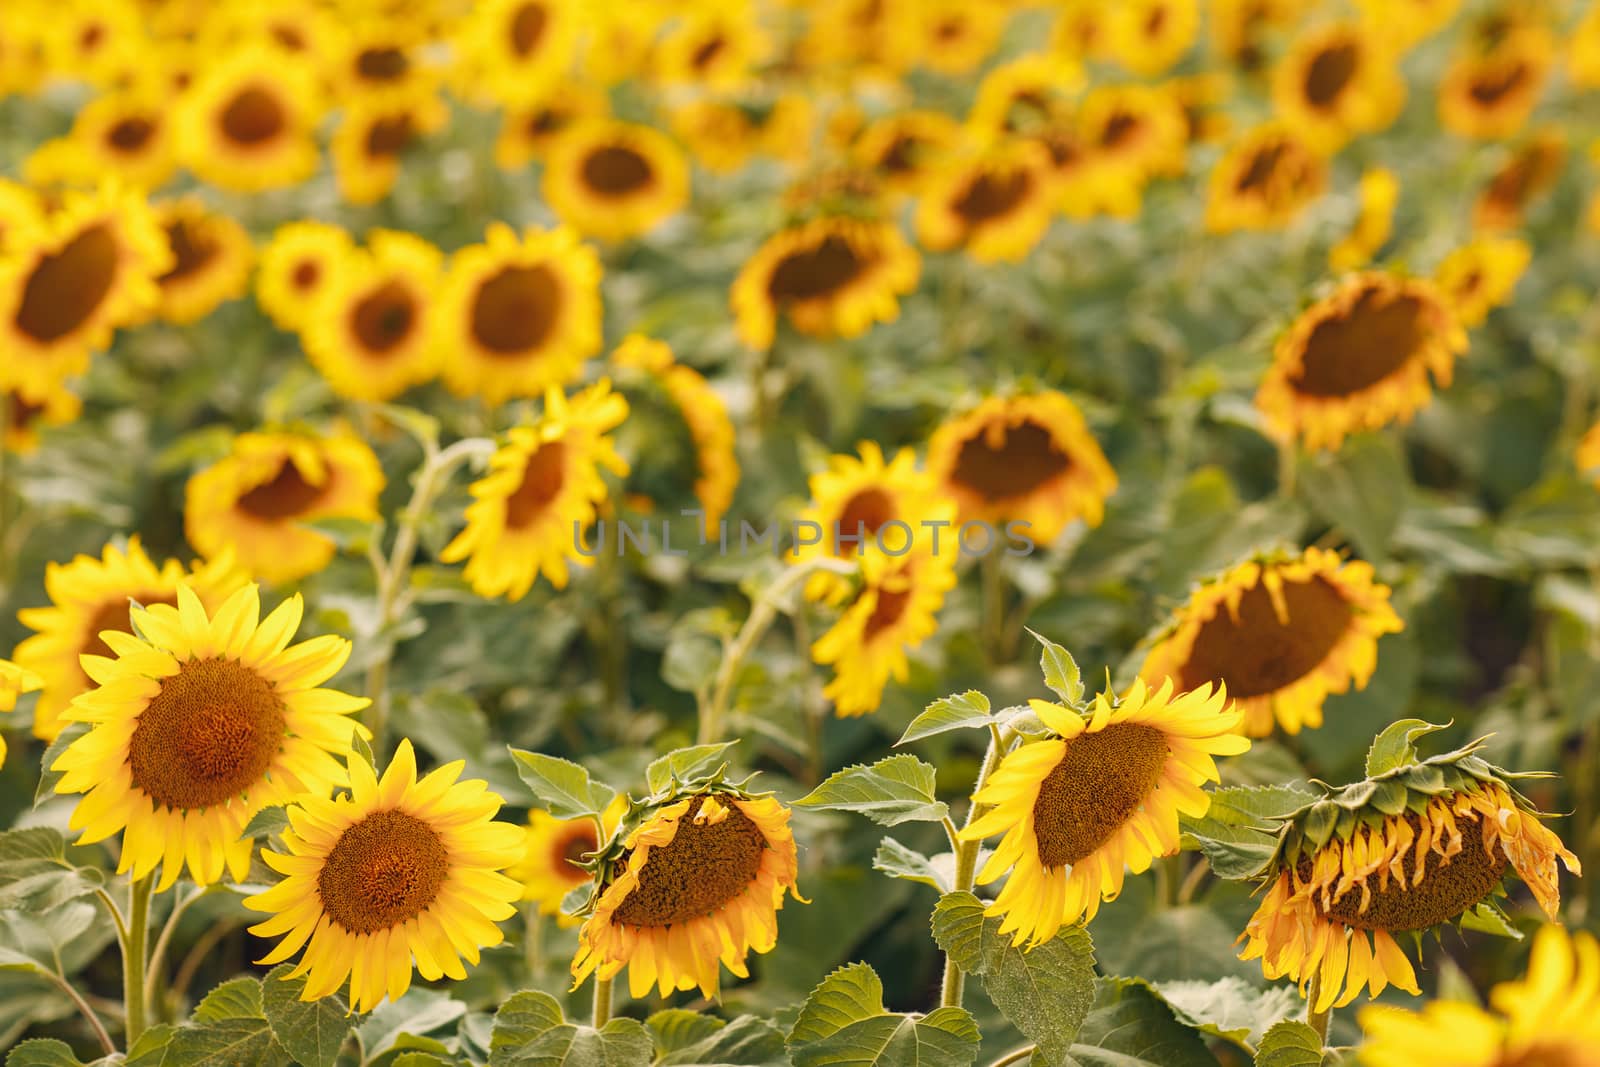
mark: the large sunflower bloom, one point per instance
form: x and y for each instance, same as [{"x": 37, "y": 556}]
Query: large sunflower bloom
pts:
[
  {"x": 995, "y": 204},
  {"x": 196, "y": 725},
  {"x": 1264, "y": 180},
  {"x": 1337, "y": 81},
  {"x": 1480, "y": 276},
  {"x": 1280, "y": 633},
  {"x": 615, "y": 180},
  {"x": 296, "y": 266},
  {"x": 211, "y": 259},
  {"x": 127, "y": 133},
  {"x": 1099, "y": 797},
  {"x": 399, "y": 871},
  {"x": 1360, "y": 358},
  {"x": 248, "y": 122}
]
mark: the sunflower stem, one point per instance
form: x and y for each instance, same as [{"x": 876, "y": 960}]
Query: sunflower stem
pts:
[
  {"x": 994, "y": 607},
  {"x": 602, "y": 1002},
  {"x": 86, "y": 1011},
  {"x": 1287, "y": 466},
  {"x": 133, "y": 958},
  {"x": 1016, "y": 1055},
  {"x": 158, "y": 954},
  {"x": 1317, "y": 1020},
  {"x": 955, "y": 980}
]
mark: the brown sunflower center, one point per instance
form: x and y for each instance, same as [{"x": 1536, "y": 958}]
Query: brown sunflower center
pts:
[
  {"x": 254, "y": 116},
  {"x": 901, "y": 155},
  {"x": 130, "y": 134},
  {"x": 1449, "y": 887},
  {"x": 192, "y": 250},
  {"x": 306, "y": 275},
  {"x": 527, "y": 28},
  {"x": 547, "y": 120},
  {"x": 516, "y": 309},
  {"x": 616, "y": 170},
  {"x": 809, "y": 273},
  {"x": 570, "y": 848},
  {"x": 890, "y": 608},
  {"x": 705, "y": 866},
  {"x": 1256, "y": 654},
  {"x": 210, "y": 733},
  {"x": 867, "y": 510},
  {"x": 1102, "y": 779},
  {"x": 541, "y": 481},
  {"x": 1120, "y": 130},
  {"x": 384, "y": 318},
  {"x": 382, "y": 64},
  {"x": 289, "y": 37},
  {"x": 389, "y": 136},
  {"x": 1026, "y": 457},
  {"x": 20, "y": 412},
  {"x": 66, "y": 288},
  {"x": 1263, "y": 165},
  {"x": 385, "y": 869},
  {"x": 1348, "y": 352},
  {"x": 1329, "y": 72},
  {"x": 992, "y": 196},
  {"x": 114, "y": 615},
  {"x": 708, "y": 51},
  {"x": 284, "y": 496},
  {"x": 1494, "y": 86},
  {"x": 1527, "y": 173},
  {"x": 1543, "y": 1055}
]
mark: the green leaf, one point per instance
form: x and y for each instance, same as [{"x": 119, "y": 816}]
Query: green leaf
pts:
[
  {"x": 312, "y": 1032},
  {"x": 151, "y": 1046},
  {"x": 419, "y": 424},
  {"x": 898, "y": 861},
  {"x": 1290, "y": 1044},
  {"x": 229, "y": 1028},
  {"x": 746, "y": 1041},
  {"x": 237, "y": 998},
  {"x": 418, "y": 1059},
  {"x": 690, "y": 661},
  {"x": 960, "y": 712},
  {"x": 35, "y": 873},
  {"x": 529, "y": 1031},
  {"x": 1131, "y": 1026},
  {"x": 1486, "y": 918},
  {"x": 1396, "y": 745},
  {"x": 43, "y": 1052},
  {"x": 421, "y": 1011},
  {"x": 562, "y": 787},
  {"x": 1362, "y": 488},
  {"x": 685, "y": 764},
  {"x": 270, "y": 820},
  {"x": 844, "y": 1022},
  {"x": 350, "y": 535},
  {"x": 679, "y": 1028},
  {"x": 892, "y": 791},
  {"x": 1238, "y": 832},
  {"x": 1230, "y": 1008},
  {"x": 45, "y": 941},
  {"x": 47, "y": 777},
  {"x": 1061, "y": 674}
]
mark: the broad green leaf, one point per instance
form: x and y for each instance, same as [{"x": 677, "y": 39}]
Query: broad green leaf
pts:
[
  {"x": 58, "y": 940},
  {"x": 1230, "y": 1008},
  {"x": 1289, "y": 1044},
  {"x": 151, "y": 1046},
  {"x": 690, "y": 661},
  {"x": 678, "y": 1028},
  {"x": 1362, "y": 488},
  {"x": 419, "y": 424},
  {"x": 229, "y": 1028},
  {"x": 746, "y": 1041},
  {"x": 960, "y": 712},
  {"x": 270, "y": 820},
  {"x": 47, "y": 777},
  {"x": 685, "y": 764},
  {"x": 419, "y": 1059},
  {"x": 311, "y": 1032},
  {"x": 237, "y": 998},
  {"x": 421, "y": 1011},
  {"x": 35, "y": 873},
  {"x": 561, "y": 786},
  {"x": 529, "y": 1031},
  {"x": 1061, "y": 674},
  {"x": 892, "y": 791},
  {"x": 1131, "y": 1026},
  {"x": 1396, "y": 746},
  {"x": 844, "y": 1022},
  {"x": 1238, "y": 832},
  {"x": 1487, "y": 918},
  {"x": 898, "y": 861},
  {"x": 43, "y": 1052}
]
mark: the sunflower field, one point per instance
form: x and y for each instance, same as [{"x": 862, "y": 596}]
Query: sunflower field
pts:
[{"x": 831, "y": 533}]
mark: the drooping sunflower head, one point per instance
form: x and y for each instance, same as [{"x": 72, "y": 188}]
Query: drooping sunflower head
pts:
[
  {"x": 1097, "y": 796},
  {"x": 373, "y": 136},
  {"x": 558, "y": 851},
  {"x": 527, "y": 131},
  {"x": 1148, "y": 36},
  {"x": 27, "y": 411},
  {"x": 905, "y": 149},
  {"x": 1264, "y": 180},
  {"x": 211, "y": 259},
  {"x": 1281, "y": 632},
  {"x": 1365, "y": 355},
  {"x": 994, "y": 204},
  {"x": 513, "y": 51},
  {"x": 614, "y": 179},
  {"x": 1489, "y": 93},
  {"x": 197, "y": 722},
  {"x": 692, "y": 882},
  {"x": 1418, "y": 845},
  {"x": 1336, "y": 81},
  {"x": 1527, "y": 173},
  {"x": 399, "y": 872},
  {"x": 295, "y": 269},
  {"x": 247, "y": 122},
  {"x": 1026, "y": 458},
  {"x": 1481, "y": 275}
]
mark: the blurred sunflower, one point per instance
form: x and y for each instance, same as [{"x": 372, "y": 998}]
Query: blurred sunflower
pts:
[
  {"x": 1022, "y": 95},
  {"x": 527, "y": 131},
  {"x": 1148, "y": 36},
  {"x": 399, "y": 869},
  {"x": 542, "y": 491},
  {"x": 1587, "y": 456},
  {"x": 1583, "y": 58},
  {"x": 1264, "y": 180},
  {"x": 1240, "y": 29},
  {"x": 1132, "y": 133},
  {"x": 868, "y": 38},
  {"x": 1529, "y": 172},
  {"x": 248, "y": 121},
  {"x": 519, "y": 314},
  {"x": 1100, "y": 796},
  {"x": 379, "y": 58},
  {"x": 301, "y": 29},
  {"x": 1336, "y": 81},
  {"x": 715, "y": 46},
  {"x": 92, "y": 42},
  {"x": 1379, "y": 193},
  {"x": 211, "y": 260},
  {"x": 14, "y": 681},
  {"x": 27, "y": 410},
  {"x": 295, "y": 269},
  {"x": 1203, "y": 98},
  {"x": 24, "y": 58},
  {"x": 1490, "y": 94},
  {"x": 1280, "y": 633},
  {"x": 513, "y": 51},
  {"x": 254, "y": 500},
  {"x": 372, "y": 136},
  {"x": 906, "y": 149},
  {"x": 618, "y": 43},
  {"x": 1080, "y": 30},
  {"x": 1405, "y": 22},
  {"x": 1027, "y": 458},
  {"x": 722, "y": 135},
  {"x": 20, "y": 211},
  {"x": 957, "y": 36},
  {"x": 1481, "y": 275},
  {"x": 125, "y": 133},
  {"x": 552, "y": 866},
  {"x": 197, "y": 724},
  {"x": 1360, "y": 358},
  {"x": 69, "y": 278},
  {"x": 370, "y": 332},
  {"x": 1415, "y": 848},
  {"x": 615, "y": 180},
  {"x": 1083, "y": 189},
  {"x": 832, "y": 276},
  {"x": 994, "y": 204},
  {"x": 698, "y": 881}
]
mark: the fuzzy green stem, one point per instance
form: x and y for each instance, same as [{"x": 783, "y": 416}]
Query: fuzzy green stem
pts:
[
  {"x": 1016, "y": 1055},
  {"x": 133, "y": 958},
  {"x": 994, "y": 605},
  {"x": 1288, "y": 458},
  {"x": 602, "y": 1002},
  {"x": 1317, "y": 1020},
  {"x": 955, "y": 980},
  {"x": 86, "y": 1011}
]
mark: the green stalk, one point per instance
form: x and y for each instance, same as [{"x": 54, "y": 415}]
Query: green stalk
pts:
[
  {"x": 133, "y": 959},
  {"x": 1317, "y": 1020},
  {"x": 602, "y": 1002},
  {"x": 955, "y": 980}
]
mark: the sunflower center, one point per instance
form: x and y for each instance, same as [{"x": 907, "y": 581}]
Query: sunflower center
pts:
[
  {"x": 67, "y": 286},
  {"x": 867, "y": 510},
  {"x": 289, "y": 37},
  {"x": 1026, "y": 457},
  {"x": 21, "y": 413},
  {"x": 192, "y": 250},
  {"x": 383, "y": 318},
  {"x": 815, "y": 272},
  {"x": 130, "y": 134},
  {"x": 1346, "y": 353},
  {"x": 527, "y": 28},
  {"x": 382, "y": 871},
  {"x": 992, "y": 196},
  {"x": 901, "y": 155},
  {"x": 1256, "y": 654},
  {"x": 515, "y": 310},
  {"x": 1120, "y": 130},
  {"x": 890, "y": 607},
  {"x": 1490, "y": 89},
  {"x": 210, "y": 733},
  {"x": 1449, "y": 887},
  {"x": 1263, "y": 164},
  {"x": 541, "y": 481},
  {"x": 708, "y": 51},
  {"x": 1545, "y": 1056},
  {"x": 1330, "y": 71},
  {"x": 704, "y": 867},
  {"x": 306, "y": 274},
  {"x": 114, "y": 615},
  {"x": 616, "y": 170},
  {"x": 389, "y": 136},
  {"x": 572, "y": 846},
  {"x": 1102, "y": 779},
  {"x": 547, "y": 120},
  {"x": 285, "y": 496},
  {"x": 252, "y": 117},
  {"x": 382, "y": 64}
]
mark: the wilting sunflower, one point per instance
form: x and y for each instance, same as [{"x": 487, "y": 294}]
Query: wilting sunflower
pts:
[
  {"x": 372, "y": 136},
  {"x": 832, "y": 276},
  {"x": 1148, "y": 36},
  {"x": 615, "y": 180},
  {"x": 295, "y": 269},
  {"x": 513, "y": 51},
  {"x": 199, "y": 722},
  {"x": 1528, "y": 173},
  {"x": 696, "y": 879},
  {"x": 1481, "y": 275},
  {"x": 905, "y": 150},
  {"x": 1264, "y": 180},
  {"x": 254, "y": 500},
  {"x": 14, "y": 681},
  {"x": 519, "y": 315},
  {"x": 370, "y": 333},
  {"x": 1490, "y": 94},
  {"x": 26, "y": 411},
  {"x": 248, "y": 122},
  {"x": 1099, "y": 797},
  {"x": 1416, "y": 847},
  {"x": 542, "y": 491},
  {"x": 1549, "y": 1016},
  {"x": 399, "y": 869},
  {"x": 1360, "y": 358},
  {"x": 90, "y": 596},
  {"x": 1380, "y": 191},
  {"x": 1280, "y": 633},
  {"x": 70, "y": 277},
  {"x": 1337, "y": 81},
  {"x": 552, "y": 866},
  {"x": 995, "y": 203},
  {"x": 528, "y": 130},
  {"x": 1026, "y": 458},
  {"x": 956, "y": 37},
  {"x": 126, "y": 133},
  {"x": 715, "y": 46},
  {"x": 211, "y": 259}
]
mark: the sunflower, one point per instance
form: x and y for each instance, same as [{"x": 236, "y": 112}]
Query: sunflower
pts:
[
  {"x": 615, "y": 180},
  {"x": 867, "y": 38},
  {"x": 1203, "y": 98},
  {"x": 380, "y": 59},
  {"x": 1080, "y": 30},
  {"x": 1100, "y": 796},
  {"x": 1148, "y": 36},
  {"x": 92, "y": 42},
  {"x": 396, "y": 873},
  {"x": 905, "y": 150},
  {"x": 1280, "y": 633},
  {"x": 832, "y": 276},
  {"x": 69, "y": 278},
  {"x": 20, "y": 212},
  {"x": 1137, "y": 132},
  {"x": 995, "y": 204},
  {"x": 957, "y": 36},
  {"x": 24, "y": 57},
  {"x": 1529, "y": 172},
  {"x": 1379, "y": 193},
  {"x": 1416, "y": 847},
  {"x": 552, "y": 866},
  {"x": 716, "y": 46},
  {"x": 1481, "y": 275},
  {"x": 247, "y": 123},
  {"x": 695, "y": 879},
  {"x": 14, "y": 681},
  {"x": 373, "y": 134},
  {"x": 703, "y": 412},
  {"x": 1337, "y": 81},
  {"x": 1490, "y": 94},
  {"x": 1027, "y": 458},
  {"x": 1023, "y": 95},
  {"x": 514, "y": 51},
  {"x": 1583, "y": 58},
  {"x": 300, "y": 29},
  {"x": 1360, "y": 358},
  {"x": 527, "y": 131},
  {"x": 1587, "y": 455},
  {"x": 1239, "y": 29},
  {"x": 296, "y": 266},
  {"x": 1264, "y": 180},
  {"x": 126, "y": 133},
  {"x": 519, "y": 315},
  {"x": 1408, "y": 21},
  {"x": 722, "y": 135},
  {"x": 27, "y": 410},
  {"x": 543, "y": 489},
  {"x": 211, "y": 259},
  {"x": 196, "y": 724},
  {"x": 254, "y": 499},
  {"x": 619, "y": 42}
]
